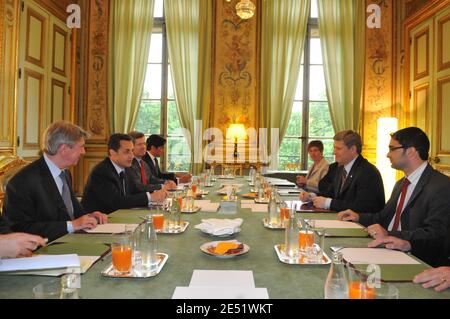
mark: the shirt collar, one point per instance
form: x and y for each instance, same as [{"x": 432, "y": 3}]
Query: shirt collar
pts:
[
  {"x": 349, "y": 166},
  {"x": 415, "y": 176},
  {"x": 117, "y": 167},
  {"x": 54, "y": 170}
]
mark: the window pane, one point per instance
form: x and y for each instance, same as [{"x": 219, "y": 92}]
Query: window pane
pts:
[
  {"x": 170, "y": 92},
  {"x": 178, "y": 156},
  {"x": 295, "y": 122},
  {"x": 152, "y": 85},
  {"x": 158, "y": 11},
  {"x": 289, "y": 153},
  {"x": 173, "y": 121},
  {"x": 320, "y": 120},
  {"x": 316, "y": 51},
  {"x": 314, "y": 10},
  {"x": 156, "y": 42},
  {"x": 327, "y": 151},
  {"x": 317, "y": 90},
  {"x": 299, "y": 90},
  {"x": 149, "y": 117}
]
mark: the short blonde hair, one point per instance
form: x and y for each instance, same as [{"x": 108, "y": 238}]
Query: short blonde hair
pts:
[
  {"x": 60, "y": 133},
  {"x": 350, "y": 138}
]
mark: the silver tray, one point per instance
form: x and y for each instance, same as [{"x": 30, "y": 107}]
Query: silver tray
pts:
[
  {"x": 110, "y": 272},
  {"x": 264, "y": 201},
  {"x": 194, "y": 210},
  {"x": 266, "y": 224},
  {"x": 165, "y": 230},
  {"x": 301, "y": 260}
]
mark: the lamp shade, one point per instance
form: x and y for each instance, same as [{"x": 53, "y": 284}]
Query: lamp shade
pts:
[
  {"x": 386, "y": 126},
  {"x": 236, "y": 131}
]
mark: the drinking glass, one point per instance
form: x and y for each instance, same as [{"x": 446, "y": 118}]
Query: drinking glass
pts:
[
  {"x": 314, "y": 252},
  {"x": 306, "y": 237},
  {"x": 158, "y": 219},
  {"x": 121, "y": 252},
  {"x": 48, "y": 290}
]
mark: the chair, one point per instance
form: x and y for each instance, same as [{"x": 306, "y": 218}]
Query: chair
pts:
[{"x": 9, "y": 166}]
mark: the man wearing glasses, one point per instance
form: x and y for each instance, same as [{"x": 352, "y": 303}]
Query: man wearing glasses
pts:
[{"x": 416, "y": 218}]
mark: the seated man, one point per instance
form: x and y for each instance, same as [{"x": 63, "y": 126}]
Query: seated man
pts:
[
  {"x": 39, "y": 198},
  {"x": 357, "y": 184},
  {"x": 317, "y": 171},
  {"x": 110, "y": 186},
  {"x": 17, "y": 245},
  {"x": 419, "y": 208},
  {"x": 327, "y": 181},
  {"x": 140, "y": 170},
  {"x": 155, "y": 148}
]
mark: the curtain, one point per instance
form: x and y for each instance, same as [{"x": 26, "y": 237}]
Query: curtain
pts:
[
  {"x": 342, "y": 32},
  {"x": 284, "y": 25},
  {"x": 189, "y": 38},
  {"x": 132, "y": 28}
]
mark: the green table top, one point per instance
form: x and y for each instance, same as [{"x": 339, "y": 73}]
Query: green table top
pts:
[{"x": 281, "y": 280}]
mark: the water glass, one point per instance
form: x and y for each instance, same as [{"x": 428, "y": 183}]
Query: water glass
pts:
[
  {"x": 314, "y": 252},
  {"x": 121, "y": 251}
]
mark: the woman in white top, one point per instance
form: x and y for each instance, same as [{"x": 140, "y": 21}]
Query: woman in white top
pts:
[{"x": 317, "y": 171}]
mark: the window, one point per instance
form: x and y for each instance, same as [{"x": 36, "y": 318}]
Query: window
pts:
[
  {"x": 158, "y": 111},
  {"x": 310, "y": 119}
]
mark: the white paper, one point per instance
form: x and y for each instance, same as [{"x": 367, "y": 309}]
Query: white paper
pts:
[
  {"x": 210, "y": 208},
  {"x": 220, "y": 293},
  {"x": 86, "y": 262},
  {"x": 111, "y": 228},
  {"x": 335, "y": 224},
  {"x": 378, "y": 256},
  {"x": 260, "y": 208},
  {"x": 201, "y": 202},
  {"x": 40, "y": 262},
  {"x": 222, "y": 278}
]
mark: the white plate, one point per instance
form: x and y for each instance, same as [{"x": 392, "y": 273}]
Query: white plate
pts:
[
  {"x": 194, "y": 210},
  {"x": 204, "y": 248}
]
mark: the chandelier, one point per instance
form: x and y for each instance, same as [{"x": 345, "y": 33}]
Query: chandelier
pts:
[{"x": 245, "y": 9}]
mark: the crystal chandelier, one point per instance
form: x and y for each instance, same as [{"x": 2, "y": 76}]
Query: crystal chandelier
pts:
[{"x": 245, "y": 9}]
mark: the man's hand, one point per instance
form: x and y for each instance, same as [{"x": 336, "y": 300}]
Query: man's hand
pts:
[
  {"x": 437, "y": 278},
  {"x": 100, "y": 217},
  {"x": 376, "y": 231},
  {"x": 84, "y": 222},
  {"x": 301, "y": 180},
  {"x": 348, "y": 215},
  {"x": 18, "y": 245},
  {"x": 391, "y": 242},
  {"x": 169, "y": 185},
  {"x": 319, "y": 201},
  {"x": 159, "y": 195}
]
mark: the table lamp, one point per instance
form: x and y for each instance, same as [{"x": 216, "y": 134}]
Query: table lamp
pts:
[{"x": 236, "y": 131}]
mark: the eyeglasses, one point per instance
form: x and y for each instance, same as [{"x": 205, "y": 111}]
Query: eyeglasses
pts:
[{"x": 391, "y": 149}]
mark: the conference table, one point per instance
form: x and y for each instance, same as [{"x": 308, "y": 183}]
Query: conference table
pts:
[{"x": 283, "y": 281}]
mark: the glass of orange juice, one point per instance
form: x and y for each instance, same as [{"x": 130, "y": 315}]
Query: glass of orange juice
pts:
[
  {"x": 158, "y": 220},
  {"x": 284, "y": 212},
  {"x": 306, "y": 237},
  {"x": 358, "y": 285},
  {"x": 121, "y": 252}
]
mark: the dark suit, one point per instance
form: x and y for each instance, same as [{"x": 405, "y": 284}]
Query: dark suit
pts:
[
  {"x": 363, "y": 190},
  {"x": 327, "y": 181},
  {"x": 4, "y": 226},
  {"x": 425, "y": 219},
  {"x": 156, "y": 171},
  {"x": 34, "y": 205},
  {"x": 153, "y": 183},
  {"x": 104, "y": 190}
]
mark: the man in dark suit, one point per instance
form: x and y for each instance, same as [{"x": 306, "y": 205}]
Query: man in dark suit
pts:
[
  {"x": 140, "y": 170},
  {"x": 155, "y": 149},
  {"x": 110, "y": 186},
  {"x": 39, "y": 199},
  {"x": 418, "y": 212},
  {"x": 327, "y": 181},
  {"x": 357, "y": 184}
]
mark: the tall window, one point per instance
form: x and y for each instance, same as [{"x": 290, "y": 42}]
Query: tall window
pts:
[
  {"x": 310, "y": 119},
  {"x": 158, "y": 111}
]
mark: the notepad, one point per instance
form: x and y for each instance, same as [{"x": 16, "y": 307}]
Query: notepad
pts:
[
  {"x": 378, "y": 256},
  {"x": 40, "y": 262},
  {"x": 335, "y": 224},
  {"x": 110, "y": 228},
  {"x": 220, "y": 293},
  {"x": 222, "y": 278},
  {"x": 86, "y": 262}
]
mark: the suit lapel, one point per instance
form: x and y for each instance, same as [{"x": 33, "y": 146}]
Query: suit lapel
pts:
[
  {"x": 49, "y": 185},
  {"x": 420, "y": 185},
  {"x": 350, "y": 175},
  {"x": 114, "y": 174}
]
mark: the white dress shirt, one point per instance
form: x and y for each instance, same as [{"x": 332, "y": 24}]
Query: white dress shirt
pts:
[{"x": 413, "y": 178}]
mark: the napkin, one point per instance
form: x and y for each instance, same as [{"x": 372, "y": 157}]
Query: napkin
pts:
[{"x": 219, "y": 227}]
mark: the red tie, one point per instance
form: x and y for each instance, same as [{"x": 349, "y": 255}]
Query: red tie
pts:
[
  {"x": 143, "y": 177},
  {"x": 398, "y": 212}
]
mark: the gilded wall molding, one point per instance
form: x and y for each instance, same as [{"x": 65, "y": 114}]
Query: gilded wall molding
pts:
[
  {"x": 379, "y": 73},
  {"x": 96, "y": 106},
  {"x": 235, "y": 69}
]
